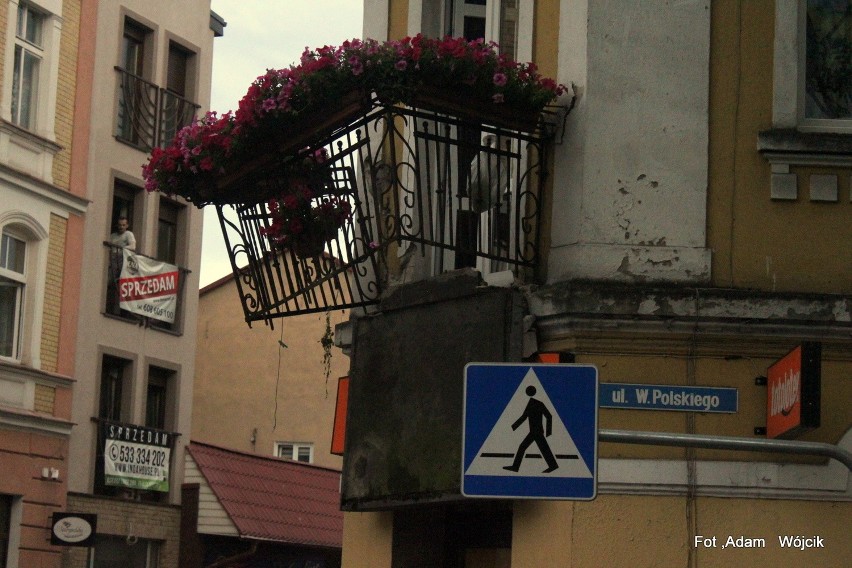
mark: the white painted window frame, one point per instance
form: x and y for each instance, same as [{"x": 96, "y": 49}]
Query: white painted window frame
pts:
[
  {"x": 294, "y": 454},
  {"x": 788, "y": 105},
  {"x": 44, "y": 112}
]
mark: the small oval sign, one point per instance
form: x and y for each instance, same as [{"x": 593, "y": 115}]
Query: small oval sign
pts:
[{"x": 72, "y": 529}]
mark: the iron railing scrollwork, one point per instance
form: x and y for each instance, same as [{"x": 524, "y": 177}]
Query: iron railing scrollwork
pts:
[
  {"x": 429, "y": 192},
  {"x": 149, "y": 115}
]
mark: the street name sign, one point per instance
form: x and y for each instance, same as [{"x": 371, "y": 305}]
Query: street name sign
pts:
[
  {"x": 668, "y": 397},
  {"x": 530, "y": 431}
]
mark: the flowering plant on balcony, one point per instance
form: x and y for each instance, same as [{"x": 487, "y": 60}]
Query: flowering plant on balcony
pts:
[
  {"x": 274, "y": 109},
  {"x": 309, "y": 214}
]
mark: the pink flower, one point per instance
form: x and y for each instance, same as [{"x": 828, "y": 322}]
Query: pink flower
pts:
[
  {"x": 401, "y": 65},
  {"x": 500, "y": 79},
  {"x": 269, "y": 104},
  {"x": 498, "y": 98},
  {"x": 206, "y": 164}
]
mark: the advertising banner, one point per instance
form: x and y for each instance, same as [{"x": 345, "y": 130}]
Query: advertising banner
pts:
[
  {"x": 136, "y": 457},
  {"x": 148, "y": 287}
]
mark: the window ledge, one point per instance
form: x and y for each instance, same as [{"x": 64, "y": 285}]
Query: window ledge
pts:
[
  {"x": 783, "y": 148},
  {"x": 790, "y": 146}
]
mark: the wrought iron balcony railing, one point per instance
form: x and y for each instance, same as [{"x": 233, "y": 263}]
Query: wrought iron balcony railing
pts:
[
  {"x": 149, "y": 115},
  {"x": 429, "y": 191}
]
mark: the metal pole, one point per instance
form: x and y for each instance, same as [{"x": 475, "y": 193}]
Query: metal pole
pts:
[{"x": 727, "y": 443}]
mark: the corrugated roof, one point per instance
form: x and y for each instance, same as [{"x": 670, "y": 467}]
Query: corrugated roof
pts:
[{"x": 274, "y": 499}]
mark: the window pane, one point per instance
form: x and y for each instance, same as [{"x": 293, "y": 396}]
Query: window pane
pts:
[
  {"x": 285, "y": 451},
  {"x": 828, "y": 73},
  {"x": 155, "y": 403},
  {"x": 24, "y": 87},
  {"x": 32, "y": 31},
  {"x": 10, "y": 300},
  {"x": 304, "y": 454},
  {"x": 12, "y": 254},
  {"x": 112, "y": 552},
  {"x": 112, "y": 383}
]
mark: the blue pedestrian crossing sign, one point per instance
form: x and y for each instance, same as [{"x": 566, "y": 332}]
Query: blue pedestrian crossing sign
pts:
[{"x": 530, "y": 431}]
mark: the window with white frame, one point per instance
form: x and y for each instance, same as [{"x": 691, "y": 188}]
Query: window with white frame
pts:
[
  {"x": 29, "y": 54},
  {"x": 826, "y": 63},
  {"x": 813, "y": 65},
  {"x": 296, "y": 451},
  {"x": 13, "y": 250}
]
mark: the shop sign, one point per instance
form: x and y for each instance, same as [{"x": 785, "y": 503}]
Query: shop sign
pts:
[
  {"x": 793, "y": 392},
  {"x": 136, "y": 457},
  {"x": 73, "y": 529}
]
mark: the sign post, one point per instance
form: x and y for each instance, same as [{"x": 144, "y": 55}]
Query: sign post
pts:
[{"x": 530, "y": 431}]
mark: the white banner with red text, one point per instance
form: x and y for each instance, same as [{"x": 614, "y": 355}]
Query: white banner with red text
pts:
[{"x": 148, "y": 287}]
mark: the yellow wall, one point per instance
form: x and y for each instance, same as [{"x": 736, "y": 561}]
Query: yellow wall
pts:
[
  {"x": 53, "y": 294},
  {"x": 756, "y": 242},
  {"x": 66, "y": 90},
  {"x": 629, "y": 531}
]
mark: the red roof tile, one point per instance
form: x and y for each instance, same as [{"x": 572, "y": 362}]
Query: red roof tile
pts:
[{"x": 274, "y": 499}]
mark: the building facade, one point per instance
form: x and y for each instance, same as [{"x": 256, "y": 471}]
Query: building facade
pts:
[
  {"x": 284, "y": 405},
  {"x": 150, "y": 74},
  {"x": 42, "y": 206},
  {"x": 696, "y": 230}
]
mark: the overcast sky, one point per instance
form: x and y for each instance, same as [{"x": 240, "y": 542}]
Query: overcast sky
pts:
[{"x": 264, "y": 34}]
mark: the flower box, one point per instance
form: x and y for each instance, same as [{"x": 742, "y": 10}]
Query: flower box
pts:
[
  {"x": 265, "y": 174},
  {"x": 460, "y": 104}
]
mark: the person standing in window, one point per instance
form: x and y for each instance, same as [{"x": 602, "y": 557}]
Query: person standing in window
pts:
[{"x": 122, "y": 238}]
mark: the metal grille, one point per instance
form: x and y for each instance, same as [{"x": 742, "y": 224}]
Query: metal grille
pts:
[
  {"x": 149, "y": 115},
  {"x": 428, "y": 191}
]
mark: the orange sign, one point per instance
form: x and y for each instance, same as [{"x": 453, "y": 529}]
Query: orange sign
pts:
[
  {"x": 338, "y": 436},
  {"x": 793, "y": 390}
]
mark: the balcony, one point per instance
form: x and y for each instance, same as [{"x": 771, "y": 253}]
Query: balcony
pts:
[
  {"x": 149, "y": 115},
  {"x": 431, "y": 188}
]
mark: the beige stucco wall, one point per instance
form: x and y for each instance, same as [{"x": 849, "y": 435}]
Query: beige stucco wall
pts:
[{"x": 245, "y": 380}]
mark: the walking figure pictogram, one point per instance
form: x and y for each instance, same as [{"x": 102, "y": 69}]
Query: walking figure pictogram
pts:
[{"x": 541, "y": 426}]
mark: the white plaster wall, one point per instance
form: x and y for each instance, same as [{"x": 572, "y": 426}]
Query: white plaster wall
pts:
[{"x": 630, "y": 184}]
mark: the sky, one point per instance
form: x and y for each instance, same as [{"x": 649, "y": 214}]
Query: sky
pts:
[{"x": 263, "y": 34}]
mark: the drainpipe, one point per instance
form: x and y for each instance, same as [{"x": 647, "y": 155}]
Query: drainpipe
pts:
[{"x": 727, "y": 443}]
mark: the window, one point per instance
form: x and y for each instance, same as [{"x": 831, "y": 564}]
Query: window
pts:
[
  {"x": 302, "y": 452},
  {"x": 124, "y": 200},
  {"x": 12, "y": 287},
  {"x": 160, "y": 383},
  {"x": 5, "y": 527},
  {"x": 177, "y": 110},
  {"x": 29, "y": 54},
  {"x": 115, "y": 388},
  {"x": 133, "y": 48},
  {"x": 167, "y": 230},
  {"x": 135, "y": 112},
  {"x": 112, "y": 552},
  {"x": 812, "y": 69},
  {"x": 826, "y": 82}
]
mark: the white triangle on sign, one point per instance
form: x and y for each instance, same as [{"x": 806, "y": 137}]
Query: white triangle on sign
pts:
[{"x": 502, "y": 444}]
